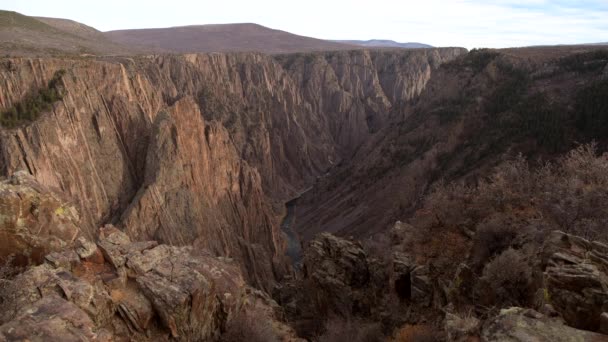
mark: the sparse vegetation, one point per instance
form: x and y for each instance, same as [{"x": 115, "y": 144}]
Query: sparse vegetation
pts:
[
  {"x": 507, "y": 281},
  {"x": 584, "y": 62},
  {"x": 565, "y": 194},
  {"x": 500, "y": 221},
  {"x": 30, "y": 108}
]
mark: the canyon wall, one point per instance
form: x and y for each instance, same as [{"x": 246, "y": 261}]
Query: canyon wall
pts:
[
  {"x": 203, "y": 149},
  {"x": 475, "y": 112}
]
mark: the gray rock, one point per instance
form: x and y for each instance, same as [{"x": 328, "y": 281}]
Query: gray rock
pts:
[
  {"x": 144, "y": 261},
  {"x": 51, "y": 318},
  {"x": 525, "y": 325},
  {"x": 576, "y": 282},
  {"x": 65, "y": 259}
]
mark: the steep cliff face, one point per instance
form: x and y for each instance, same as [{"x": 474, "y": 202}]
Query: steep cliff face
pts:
[
  {"x": 202, "y": 149},
  {"x": 474, "y": 112},
  {"x": 354, "y": 91}
]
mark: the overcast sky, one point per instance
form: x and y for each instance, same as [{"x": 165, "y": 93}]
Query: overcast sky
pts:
[{"x": 468, "y": 23}]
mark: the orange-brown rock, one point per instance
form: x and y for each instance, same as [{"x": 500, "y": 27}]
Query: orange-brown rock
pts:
[
  {"x": 34, "y": 220},
  {"x": 145, "y": 292}
]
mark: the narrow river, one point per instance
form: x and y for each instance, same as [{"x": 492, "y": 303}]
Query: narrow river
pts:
[{"x": 294, "y": 248}]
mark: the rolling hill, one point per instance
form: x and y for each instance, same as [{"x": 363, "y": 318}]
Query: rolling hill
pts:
[
  {"x": 24, "y": 35},
  {"x": 224, "y": 38}
]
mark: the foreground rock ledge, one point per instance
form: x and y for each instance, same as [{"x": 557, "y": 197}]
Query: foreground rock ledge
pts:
[{"x": 118, "y": 290}]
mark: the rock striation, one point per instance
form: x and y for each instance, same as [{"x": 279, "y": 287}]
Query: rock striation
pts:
[{"x": 202, "y": 149}]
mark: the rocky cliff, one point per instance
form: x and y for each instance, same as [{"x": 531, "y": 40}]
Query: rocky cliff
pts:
[
  {"x": 472, "y": 113},
  {"x": 201, "y": 149}
]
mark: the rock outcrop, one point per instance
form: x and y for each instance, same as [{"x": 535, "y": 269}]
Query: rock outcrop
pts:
[
  {"x": 576, "y": 279},
  {"x": 136, "y": 290},
  {"x": 51, "y": 318},
  {"x": 340, "y": 278},
  {"x": 34, "y": 221},
  {"x": 519, "y": 325},
  {"x": 338, "y": 269}
]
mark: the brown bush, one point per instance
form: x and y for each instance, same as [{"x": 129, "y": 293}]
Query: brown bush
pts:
[
  {"x": 567, "y": 195},
  {"x": 249, "y": 326},
  {"x": 417, "y": 333},
  {"x": 346, "y": 330},
  {"x": 507, "y": 280},
  {"x": 494, "y": 236}
]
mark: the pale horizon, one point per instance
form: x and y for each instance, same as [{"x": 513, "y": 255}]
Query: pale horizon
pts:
[{"x": 467, "y": 23}]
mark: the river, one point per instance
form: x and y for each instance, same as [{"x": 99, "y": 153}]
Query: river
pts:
[{"x": 294, "y": 248}]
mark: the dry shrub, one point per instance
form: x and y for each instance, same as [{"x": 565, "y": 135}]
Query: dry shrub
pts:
[
  {"x": 575, "y": 192},
  {"x": 7, "y": 272},
  {"x": 459, "y": 327},
  {"x": 417, "y": 333},
  {"x": 568, "y": 195},
  {"x": 493, "y": 237},
  {"x": 346, "y": 330},
  {"x": 507, "y": 280},
  {"x": 249, "y": 326}
]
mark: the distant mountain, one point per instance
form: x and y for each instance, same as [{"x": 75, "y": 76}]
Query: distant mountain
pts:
[
  {"x": 225, "y": 38},
  {"x": 23, "y": 35},
  {"x": 384, "y": 43}
]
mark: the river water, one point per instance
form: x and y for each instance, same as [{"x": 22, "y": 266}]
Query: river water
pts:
[{"x": 294, "y": 248}]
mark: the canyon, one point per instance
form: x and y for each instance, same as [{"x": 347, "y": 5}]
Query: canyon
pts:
[
  {"x": 204, "y": 149},
  {"x": 161, "y": 196}
]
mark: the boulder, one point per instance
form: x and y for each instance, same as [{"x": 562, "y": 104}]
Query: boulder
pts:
[
  {"x": 329, "y": 259},
  {"x": 51, "y": 318},
  {"x": 338, "y": 270},
  {"x": 523, "y": 325},
  {"x": 45, "y": 280},
  {"x": 34, "y": 220}
]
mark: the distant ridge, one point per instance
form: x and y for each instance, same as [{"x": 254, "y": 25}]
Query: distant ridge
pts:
[
  {"x": 24, "y": 35},
  {"x": 225, "y": 38},
  {"x": 385, "y": 43}
]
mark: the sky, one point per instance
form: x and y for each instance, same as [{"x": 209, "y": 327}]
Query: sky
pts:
[{"x": 467, "y": 23}]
